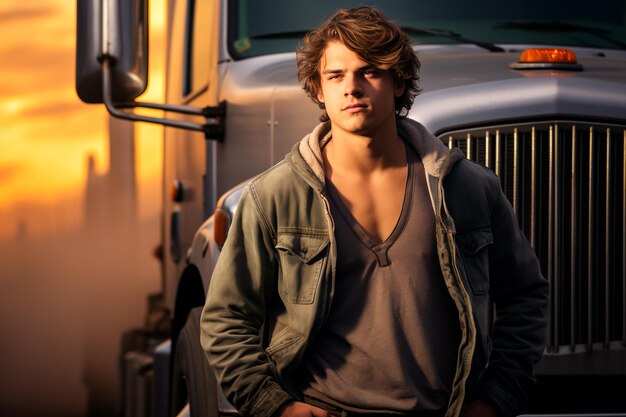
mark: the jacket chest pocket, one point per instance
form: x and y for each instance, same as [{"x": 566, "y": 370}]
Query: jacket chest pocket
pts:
[
  {"x": 474, "y": 248},
  {"x": 301, "y": 258}
]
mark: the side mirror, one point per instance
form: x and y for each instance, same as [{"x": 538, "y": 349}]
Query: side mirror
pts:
[
  {"x": 116, "y": 30},
  {"x": 112, "y": 65}
]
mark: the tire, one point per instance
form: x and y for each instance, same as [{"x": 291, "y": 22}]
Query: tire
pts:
[{"x": 193, "y": 380}]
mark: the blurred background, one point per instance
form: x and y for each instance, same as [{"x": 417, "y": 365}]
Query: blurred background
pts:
[{"x": 78, "y": 218}]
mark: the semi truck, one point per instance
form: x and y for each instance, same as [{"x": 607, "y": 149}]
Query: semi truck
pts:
[{"x": 535, "y": 90}]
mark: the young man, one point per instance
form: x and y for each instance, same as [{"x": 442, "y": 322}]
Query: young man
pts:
[{"x": 358, "y": 274}]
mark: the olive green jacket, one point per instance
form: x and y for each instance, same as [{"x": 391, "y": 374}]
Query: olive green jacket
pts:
[{"x": 272, "y": 287}]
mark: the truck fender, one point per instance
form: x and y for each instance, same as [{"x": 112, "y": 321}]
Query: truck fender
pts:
[{"x": 203, "y": 252}]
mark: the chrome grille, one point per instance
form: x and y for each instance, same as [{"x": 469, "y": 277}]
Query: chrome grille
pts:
[{"x": 566, "y": 182}]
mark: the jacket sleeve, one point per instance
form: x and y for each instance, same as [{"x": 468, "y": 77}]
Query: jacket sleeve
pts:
[
  {"x": 233, "y": 316},
  {"x": 520, "y": 294}
]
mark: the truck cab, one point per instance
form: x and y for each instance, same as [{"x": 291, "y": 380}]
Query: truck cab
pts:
[{"x": 534, "y": 90}]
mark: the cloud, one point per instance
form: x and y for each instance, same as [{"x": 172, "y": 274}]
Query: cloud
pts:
[
  {"x": 10, "y": 171},
  {"x": 19, "y": 14},
  {"x": 24, "y": 56},
  {"x": 37, "y": 47},
  {"x": 55, "y": 110},
  {"x": 35, "y": 70}
]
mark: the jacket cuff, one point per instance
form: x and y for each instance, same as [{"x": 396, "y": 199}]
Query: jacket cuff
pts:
[
  {"x": 505, "y": 402},
  {"x": 270, "y": 400}
]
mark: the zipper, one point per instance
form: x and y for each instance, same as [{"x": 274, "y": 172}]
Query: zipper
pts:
[
  {"x": 471, "y": 325},
  {"x": 448, "y": 229}
]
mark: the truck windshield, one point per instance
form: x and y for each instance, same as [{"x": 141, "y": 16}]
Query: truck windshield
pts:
[{"x": 260, "y": 27}]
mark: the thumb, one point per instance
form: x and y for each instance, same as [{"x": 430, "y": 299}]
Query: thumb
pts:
[{"x": 319, "y": 412}]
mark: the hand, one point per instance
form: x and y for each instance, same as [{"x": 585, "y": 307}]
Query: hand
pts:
[
  {"x": 480, "y": 408},
  {"x": 298, "y": 409}
]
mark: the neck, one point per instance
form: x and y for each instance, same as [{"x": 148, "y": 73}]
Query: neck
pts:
[{"x": 364, "y": 154}]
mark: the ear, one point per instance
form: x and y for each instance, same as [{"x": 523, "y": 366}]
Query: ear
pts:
[{"x": 320, "y": 96}]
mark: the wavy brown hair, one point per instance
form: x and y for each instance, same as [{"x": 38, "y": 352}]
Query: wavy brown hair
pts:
[{"x": 375, "y": 39}]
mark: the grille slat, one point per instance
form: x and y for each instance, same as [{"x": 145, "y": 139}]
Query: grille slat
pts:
[
  {"x": 624, "y": 241},
  {"x": 573, "y": 239},
  {"x": 556, "y": 242},
  {"x": 550, "y": 259},
  {"x": 498, "y": 170},
  {"x": 516, "y": 169},
  {"x": 534, "y": 188},
  {"x": 488, "y": 150},
  {"x": 607, "y": 244},
  {"x": 590, "y": 244},
  {"x": 566, "y": 181}
]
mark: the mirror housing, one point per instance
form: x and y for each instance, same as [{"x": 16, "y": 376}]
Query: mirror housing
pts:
[
  {"x": 112, "y": 66},
  {"x": 116, "y": 30}
]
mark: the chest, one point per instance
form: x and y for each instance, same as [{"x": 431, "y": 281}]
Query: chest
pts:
[{"x": 374, "y": 202}]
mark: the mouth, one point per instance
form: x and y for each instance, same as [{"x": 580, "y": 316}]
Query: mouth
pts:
[{"x": 354, "y": 107}]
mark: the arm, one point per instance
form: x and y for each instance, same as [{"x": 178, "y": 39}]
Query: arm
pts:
[
  {"x": 520, "y": 294},
  {"x": 242, "y": 282}
]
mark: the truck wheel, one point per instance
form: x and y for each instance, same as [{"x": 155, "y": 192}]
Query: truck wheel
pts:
[{"x": 193, "y": 380}]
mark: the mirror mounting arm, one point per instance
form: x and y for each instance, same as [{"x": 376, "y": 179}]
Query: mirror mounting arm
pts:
[{"x": 213, "y": 128}]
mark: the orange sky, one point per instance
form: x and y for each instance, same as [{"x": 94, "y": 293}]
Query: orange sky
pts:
[{"x": 46, "y": 132}]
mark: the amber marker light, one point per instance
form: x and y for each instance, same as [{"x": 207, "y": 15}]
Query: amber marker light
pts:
[
  {"x": 180, "y": 192},
  {"x": 547, "y": 58},
  {"x": 221, "y": 223},
  {"x": 176, "y": 191},
  {"x": 533, "y": 55}
]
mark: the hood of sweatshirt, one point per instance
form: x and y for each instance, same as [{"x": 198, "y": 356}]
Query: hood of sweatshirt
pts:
[{"x": 306, "y": 156}]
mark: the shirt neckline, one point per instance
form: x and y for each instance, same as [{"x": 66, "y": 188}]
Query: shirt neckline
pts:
[{"x": 379, "y": 249}]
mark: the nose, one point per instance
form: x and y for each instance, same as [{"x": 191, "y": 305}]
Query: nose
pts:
[{"x": 352, "y": 86}]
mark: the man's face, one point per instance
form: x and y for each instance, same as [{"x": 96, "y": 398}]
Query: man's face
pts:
[{"x": 359, "y": 98}]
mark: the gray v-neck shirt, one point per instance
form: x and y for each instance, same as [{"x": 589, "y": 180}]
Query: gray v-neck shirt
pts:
[{"x": 390, "y": 341}]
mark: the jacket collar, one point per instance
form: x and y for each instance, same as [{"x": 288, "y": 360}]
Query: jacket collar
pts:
[{"x": 306, "y": 156}]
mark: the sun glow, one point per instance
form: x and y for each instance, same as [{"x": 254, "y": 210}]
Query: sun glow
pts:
[{"x": 46, "y": 132}]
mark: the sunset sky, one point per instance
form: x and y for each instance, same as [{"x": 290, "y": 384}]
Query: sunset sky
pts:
[
  {"x": 47, "y": 260},
  {"x": 46, "y": 132}
]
